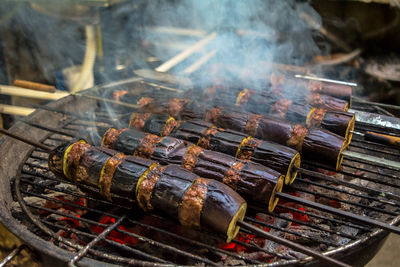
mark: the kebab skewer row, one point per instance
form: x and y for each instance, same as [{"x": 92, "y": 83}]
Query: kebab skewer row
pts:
[
  {"x": 339, "y": 122},
  {"x": 169, "y": 190},
  {"x": 278, "y": 157},
  {"x": 307, "y": 141},
  {"x": 313, "y": 143},
  {"x": 261, "y": 99},
  {"x": 341, "y": 91},
  {"x": 253, "y": 181}
]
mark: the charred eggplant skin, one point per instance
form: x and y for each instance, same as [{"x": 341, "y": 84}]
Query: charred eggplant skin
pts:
[
  {"x": 217, "y": 199},
  {"x": 170, "y": 189},
  {"x": 324, "y": 147}
]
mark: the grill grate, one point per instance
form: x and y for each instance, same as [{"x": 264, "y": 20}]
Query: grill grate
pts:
[{"x": 371, "y": 190}]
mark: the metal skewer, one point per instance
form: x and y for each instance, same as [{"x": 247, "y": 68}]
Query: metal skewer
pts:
[{"x": 315, "y": 78}]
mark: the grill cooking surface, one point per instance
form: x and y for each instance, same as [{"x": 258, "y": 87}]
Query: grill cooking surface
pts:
[{"x": 88, "y": 226}]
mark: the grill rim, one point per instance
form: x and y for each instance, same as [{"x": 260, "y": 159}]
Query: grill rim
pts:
[{"x": 50, "y": 249}]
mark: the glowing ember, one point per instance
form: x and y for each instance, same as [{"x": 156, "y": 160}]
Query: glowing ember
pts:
[{"x": 115, "y": 235}]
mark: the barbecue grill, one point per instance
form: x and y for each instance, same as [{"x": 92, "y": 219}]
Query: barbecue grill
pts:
[{"x": 67, "y": 225}]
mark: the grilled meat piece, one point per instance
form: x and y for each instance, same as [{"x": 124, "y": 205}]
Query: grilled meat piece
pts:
[{"x": 168, "y": 190}]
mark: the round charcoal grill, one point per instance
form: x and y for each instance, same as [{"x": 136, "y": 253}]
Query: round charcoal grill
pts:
[{"x": 67, "y": 225}]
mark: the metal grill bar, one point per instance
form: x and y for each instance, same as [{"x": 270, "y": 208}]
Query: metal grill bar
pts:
[
  {"x": 108, "y": 241},
  {"x": 12, "y": 255},
  {"x": 331, "y": 220},
  {"x": 378, "y": 181},
  {"x": 328, "y": 243},
  {"x": 347, "y": 192},
  {"x": 308, "y": 224},
  {"x": 317, "y": 175},
  {"x": 193, "y": 242},
  {"x": 363, "y": 147},
  {"x": 343, "y": 213},
  {"x": 292, "y": 245},
  {"x": 97, "y": 239},
  {"x": 141, "y": 238},
  {"x": 197, "y": 243},
  {"x": 390, "y": 176},
  {"x": 69, "y": 243},
  {"x": 252, "y": 245},
  {"x": 342, "y": 200}
]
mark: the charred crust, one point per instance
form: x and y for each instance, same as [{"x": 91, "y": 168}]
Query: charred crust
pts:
[
  {"x": 138, "y": 120},
  {"x": 315, "y": 86},
  {"x": 111, "y": 136},
  {"x": 252, "y": 124},
  {"x": 144, "y": 101},
  {"x": 190, "y": 158},
  {"x": 107, "y": 174},
  {"x": 72, "y": 157},
  {"x": 146, "y": 146},
  {"x": 232, "y": 175},
  {"x": 297, "y": 138},
  {"x": 315, "y": 117},
  {"x": 204, "y": 141},
  {"x": 213, "y": 114},
  {"x": 169, "y": 126},
  {"x": 247, "y": 147},
  {"x": 191, "y": 205},
  {"x": 281, "y": 107},
  {"x": 145, "y": 186},
  {"x": 175, "y": 106}
]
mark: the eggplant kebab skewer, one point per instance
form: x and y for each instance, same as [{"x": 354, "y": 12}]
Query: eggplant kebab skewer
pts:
[
  {"x": 315, "y": 144},
  {"x": 280, "y": 158},
  {"x": 166, "y": 190},
  {"x": 339, "y": 122},
  {"x": 312, "y": 86},
  {"x": 255, "y": 182}
]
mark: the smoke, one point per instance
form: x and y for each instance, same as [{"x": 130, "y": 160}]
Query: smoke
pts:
[{"x": 249, "y": 32}]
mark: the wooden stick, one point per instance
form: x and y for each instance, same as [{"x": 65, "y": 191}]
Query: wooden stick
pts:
[
  {"x": 186, "y": 53},
  {"x": 204, "y": 59},
  {"x": 35, "y": 86},
  {"x": 18, "y": 91},
  {"x": 15, "y": 110}
]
